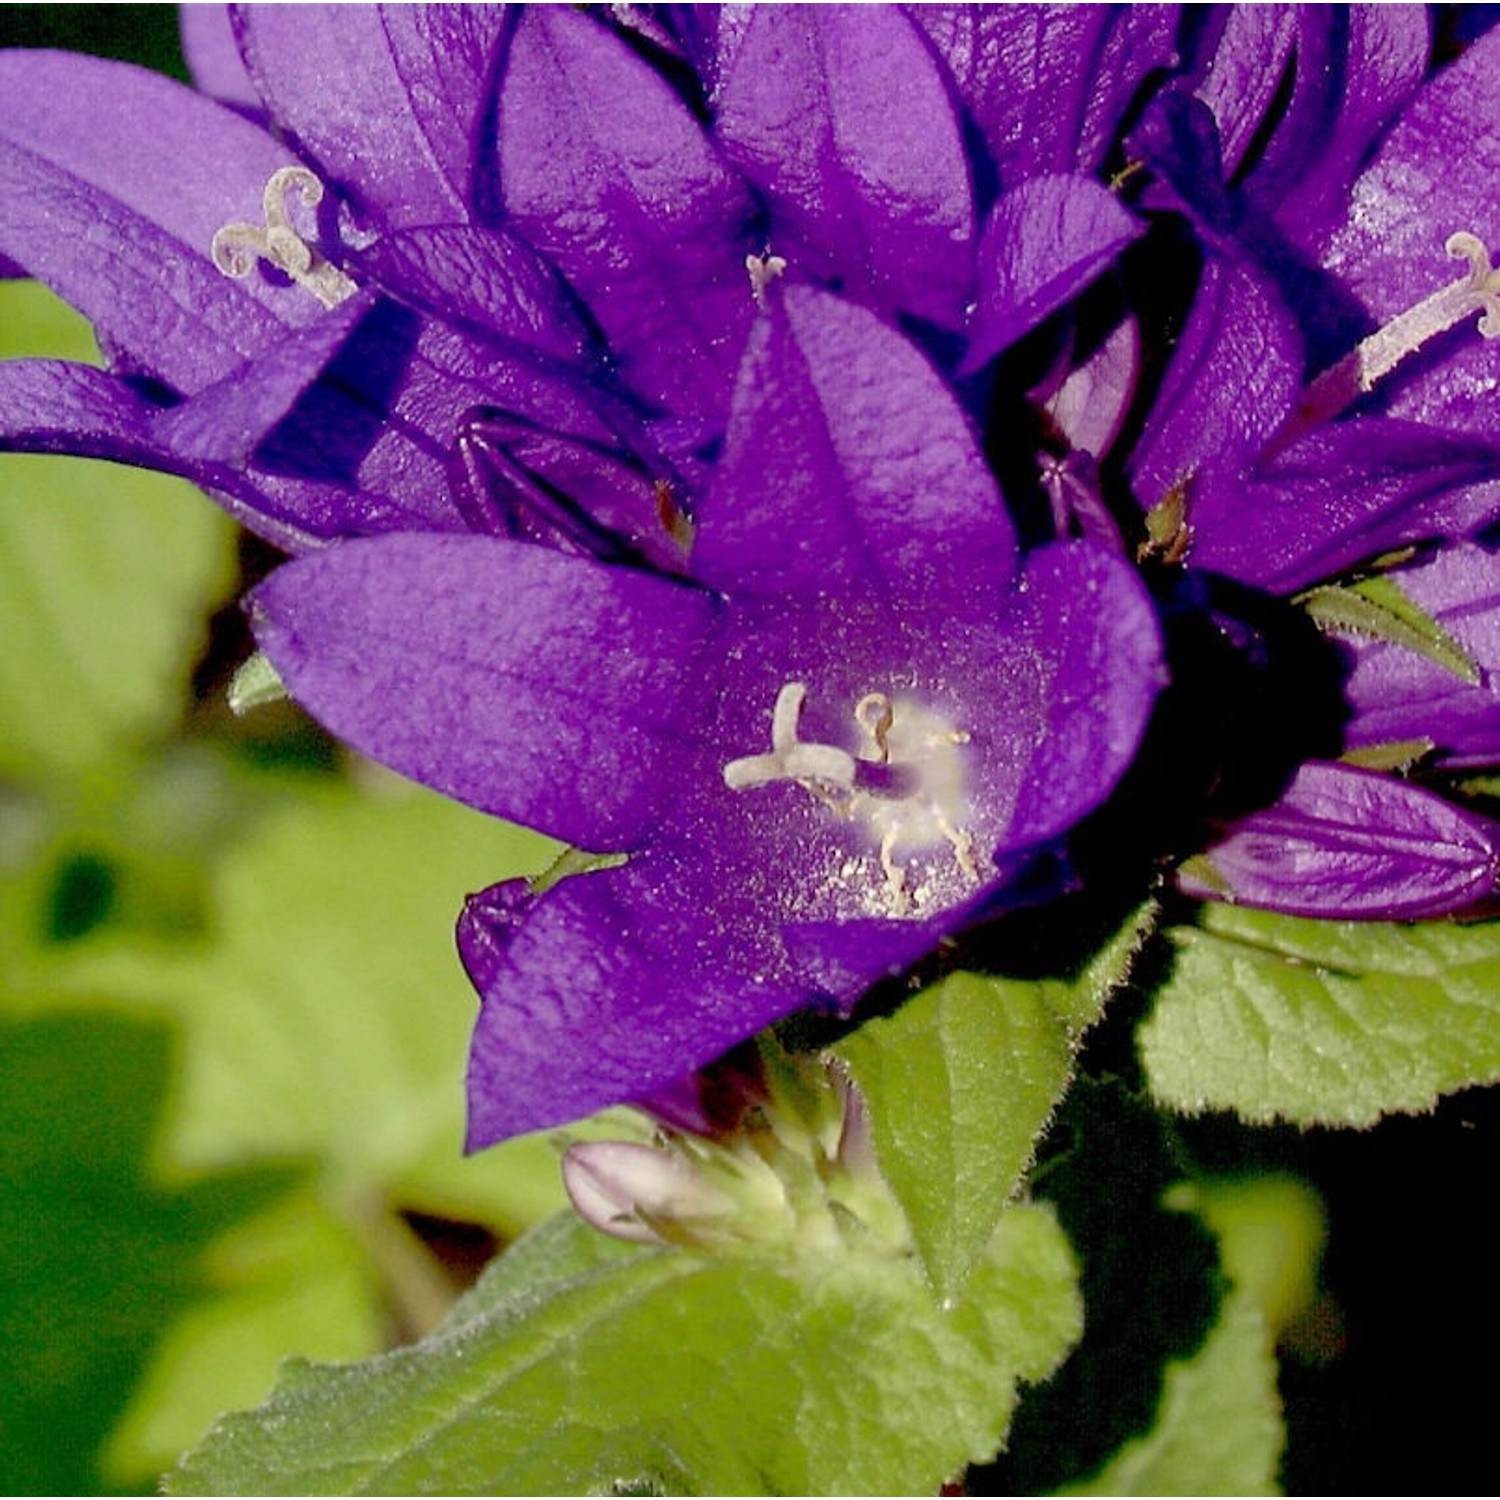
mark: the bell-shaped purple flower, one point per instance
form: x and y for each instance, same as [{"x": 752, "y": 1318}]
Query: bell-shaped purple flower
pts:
[{"x": 834, "y": 741}]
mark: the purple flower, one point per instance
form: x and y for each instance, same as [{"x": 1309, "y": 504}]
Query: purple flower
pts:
[
  {"x": 827, "y": 749},
  {"x": 1329, "y": 249},
  {"x": 620, "y": 392}
]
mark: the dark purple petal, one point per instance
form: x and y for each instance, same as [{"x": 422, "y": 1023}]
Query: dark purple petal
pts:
[
  {"x": 1348, "y": 843},
  {"x": 48, "y": 406},
  {"x": 385, "y": 101},
  {"x": 512, "y": 478},
  {"x": 849, "y": 466},
  {"x": 1241, "y": 77},
  {"x": 213, "y": 57},
  {"x": 542, "y": 688},
  {"x": 1043, "y": 244},
  {"x": 838, "y": 115},
  {"x": 1399, "y": 695},
  {"x": 1434, "y": 175},
  {"x": 1090, "y": 633},
  {"x": 1234, "y": 377},
  {"x": 1048, "y": 85},
  {"x": 391, "y": 406},
  {"x": 602, "y": 168},
  {"x": 1356, "y": 68},
  {"x": 615, "y": 984},
  {"x": 483, "y": 280},
  {"x": 115, "y": 181},
  {"x": 1341, "y": 496}
]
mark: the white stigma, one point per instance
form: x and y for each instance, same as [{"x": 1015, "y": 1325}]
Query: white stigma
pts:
[
  {"x": 906, "y": 786},
  {"x": 237, "y": 248},
  {"x": 1358, "y": 373},
  {"x": 763, "y": 270}
]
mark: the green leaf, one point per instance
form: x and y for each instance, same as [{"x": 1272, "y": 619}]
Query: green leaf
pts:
[
  {"x": 1218, "y": 1430},
  {"x": 328, "y": 1015},
  {"x": 293, "y": 1280},
  {"x": 1150, "y": 1280},
  {"x": 960, "y": 1083},
  {"x": 1377, "y": 607},
  {"x": 105, "y": 575},
  {"x": 95, "y": 1254},
  {"x": 1334, "y": 1023},
  {"x": 833, "y": 1374}
]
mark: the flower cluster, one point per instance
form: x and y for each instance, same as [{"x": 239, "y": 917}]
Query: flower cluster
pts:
[{"x": 740, "y": 441}]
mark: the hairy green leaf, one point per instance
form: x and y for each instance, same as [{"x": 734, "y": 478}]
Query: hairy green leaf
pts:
[
  {"x": 1335, "y": 1023},
  {"x": 834, "y": 1373},
  {"x": 959, "y": 1084},
  {"x": 1218, "y": 1430}
]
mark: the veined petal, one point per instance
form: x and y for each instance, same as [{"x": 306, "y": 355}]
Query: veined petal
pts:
[
  {"x": 1345, "y": 843},
  {"x": 839, "y": 116},
  {"x": 1434, "y": 175},
  {"x": 484, "y": 280},
  {"x": 1341, "y": 496},
  {"x": 213, "y": 58},
  {"x": 1048, "y": 85},
  {"x": 849, "y": 466},
  {"x": 1234, "y": 378},
  {"x": 601, "y": 167},
  {"x": 614, "y": 984},
  {"x": 115, "y": 181},
  {"x": 386, "y": 101},
  {"x": 48, "y": 406},
  {"x": 542, "y": 688},
  {"x": 1043, "y": 244}
]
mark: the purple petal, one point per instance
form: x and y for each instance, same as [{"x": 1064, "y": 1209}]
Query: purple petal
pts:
[
  {"x": 394, "y": 401},
  {"x": 848, "y": 465},
  {"x": 1042, "y": 245},
  {"x": 385, "y": 101},
  {"x": 1348, "y": 843},
  {"x": 1235, "y": 375},
  {"x": 1355, "y": 71},
  {"x": 1341, "y": 496},
  {"x": 1090, "y": 404},
  {"x": 1089, "y": 633},
  {"x": 1434, "y": 175},
  {"x": 115, "y": 181},
  {"x": 542, "y": 688},
  {"x": 839, "y": 116},
  {"x": 1048, "y": 85},
  {"x": 614, "y": 985},
  {"x": 1398, "y": 695},
  {"x": 51, "y": 407},
  {"x": 213, "y": 57},
  {"x": 480, "y": 279},
  {"x": 1241, "y": 78},
  {"x": 602, "y": 168},
  {"x": 514, "y": 479}
]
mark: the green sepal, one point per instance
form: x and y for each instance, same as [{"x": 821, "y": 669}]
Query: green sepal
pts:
[{"x": 1377, "y": 608}]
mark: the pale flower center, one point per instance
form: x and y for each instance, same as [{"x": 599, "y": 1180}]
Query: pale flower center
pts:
[
  {"x": 237, "y": 247},
  {"x": 905, "y": 786}
]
